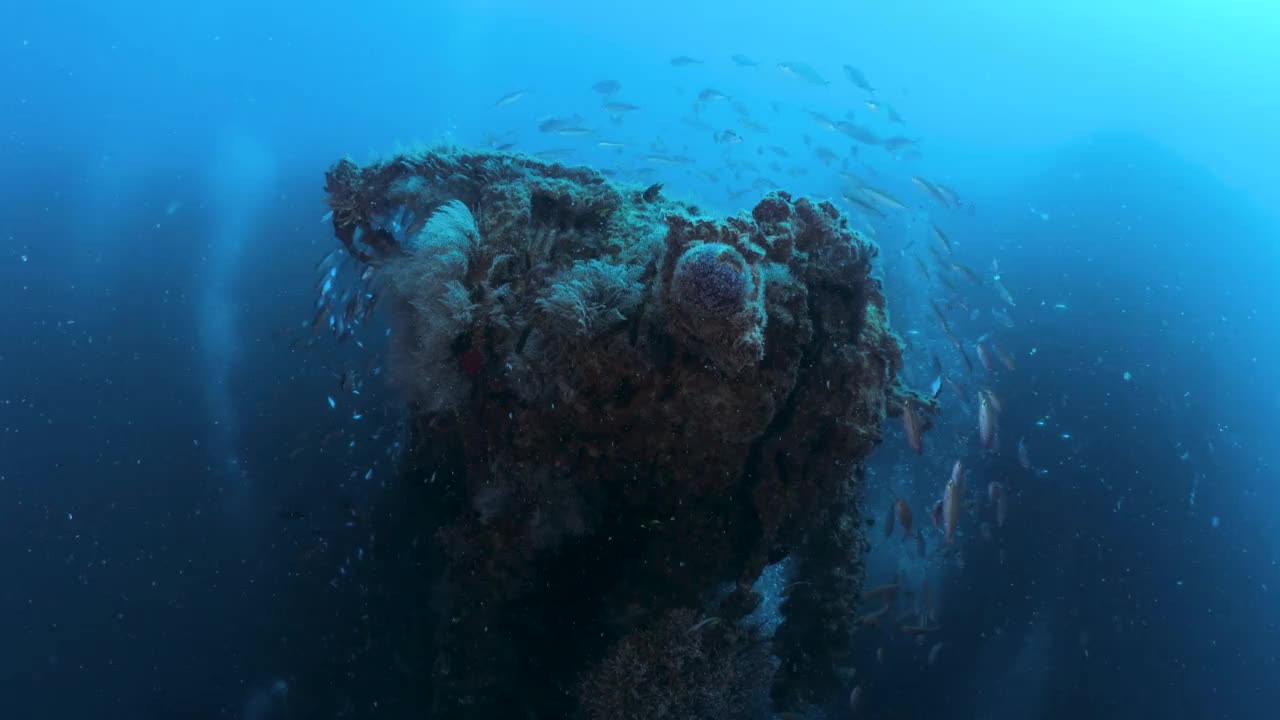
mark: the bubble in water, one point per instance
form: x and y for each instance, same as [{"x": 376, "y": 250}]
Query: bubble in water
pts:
[{"x": 1214, "y": 521}]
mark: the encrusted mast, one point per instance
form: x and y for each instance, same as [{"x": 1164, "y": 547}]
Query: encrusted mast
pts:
[{"x": 623, "y": 411}]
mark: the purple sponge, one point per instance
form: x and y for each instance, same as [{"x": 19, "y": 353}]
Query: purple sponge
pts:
[{"x": 711, "y": 281}]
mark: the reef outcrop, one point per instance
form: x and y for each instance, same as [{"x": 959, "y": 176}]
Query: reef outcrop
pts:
[{"x": 622, "y": 411}]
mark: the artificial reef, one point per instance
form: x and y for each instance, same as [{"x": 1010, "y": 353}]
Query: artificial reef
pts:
[{"x": 622, "y": 409}]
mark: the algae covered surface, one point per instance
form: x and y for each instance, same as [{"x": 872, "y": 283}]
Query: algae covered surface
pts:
[{"x": 623, "y": 411}]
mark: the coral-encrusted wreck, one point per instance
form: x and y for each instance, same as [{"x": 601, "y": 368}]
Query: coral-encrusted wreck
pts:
[{"x": 623, "y": 411}]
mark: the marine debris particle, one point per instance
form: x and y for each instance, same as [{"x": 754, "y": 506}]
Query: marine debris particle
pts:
[{"x": 625, "y": 404}]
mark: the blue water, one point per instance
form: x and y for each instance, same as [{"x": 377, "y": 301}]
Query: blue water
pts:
[{"x": 162, "y": 168}]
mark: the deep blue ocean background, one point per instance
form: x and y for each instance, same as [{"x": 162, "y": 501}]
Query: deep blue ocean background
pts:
[{"x": 180, "y": 507}]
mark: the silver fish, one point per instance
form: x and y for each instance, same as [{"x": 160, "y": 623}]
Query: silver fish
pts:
[
  {"x": 952, "y": 498},
  {"x": 607, "y": 87},
  {"x": 804, "y": 72},
  {"x": 898, "y": 143},
  {"x": 510, "y": 98},
  {"x": 984, "y": 354},
  {"x": 996, "y": 497},
  {"x": 620, "y": 107},
  {"x": 1003, "y": 291},
  {"x": 987, "y": 419},
  {"x": 857, "y": 78},
  {"x": 881, "y": 197},
  {"x": 931, "y": 189},
  {"x": 857, "y": 132},
  {"x": 911, "y": 424}
]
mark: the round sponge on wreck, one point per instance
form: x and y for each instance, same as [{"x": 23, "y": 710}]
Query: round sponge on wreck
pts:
[{"x": 711, "y": 280}]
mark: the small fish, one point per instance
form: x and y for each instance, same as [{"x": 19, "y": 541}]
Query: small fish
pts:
[
  {"x": 890, "y": 518},
  {"x": 823, "y": 121},
  {"x": 610, "y": 145},
  {"x": 997, "y": 497},
  {"x": 968, "y": 364},
  {"x": 701, "y": 624},
  {"x": 1003, "y": 291},
  {"x": 884, "y": 593},
  {"x": 743, "y": 61},
  {"x": 904, "y": 517},
  {"x": 728, "y": 136},
  {"x": 855, "y": 695},
  {"x": 911, "y": 424},
  {"x": 987, "y": 419},
  {"x": 858, "y": 132},
  {"x": 984, "y": 355},
  {"x": 952, "y": 197},
  {"x": 863, "y": 204},
  {"x": 651, "y": 193},
  {"x": 924, "y": 273},
  {"x": 553, "y": 124},
  {"x": 711, "y": 95},
  {"x": 1024, "y": 454},
  {"x": 320, "y": 318},
  {"x": 510, "y": 97},
  {"x": 684, "y": 61},
  {"x": 573, "y": 131},
  {"x": 754, "y": 126},
  {"x": 935, "y": 388},
  {"x": 802, "y": 71},
  {"x": 894, "y": 117},
  {"x": 881, "y": 197},
  {"x": 857, "y": 78},
  {"x": 967, "y": 272},
  {"x": 942, "y": 237},
  {"x": 898, "y": 143},
  {"x": 936, "y": 515},
  {"x": 872, "y": 105},
  {"x": 1002, "y": 317},
  {"x": 826, "y": 155},
  {"x": 1005, "y": 358},
  {"x": 616, "y": 107},
  {"x": 665, "y": 159},
  {"x": 934, "y": 653},
  {"x": 952, "y": 499},
  {"x": 930, "y": 189},
  {"x": 607, "y": 87},
  {"x": 873, "y": 618},
  {"x": 940, "y": 316},
  {"x": 921, "y": 550},
  {"x": 995, "y": 401},
  {"x": 348, "y": 381}
]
